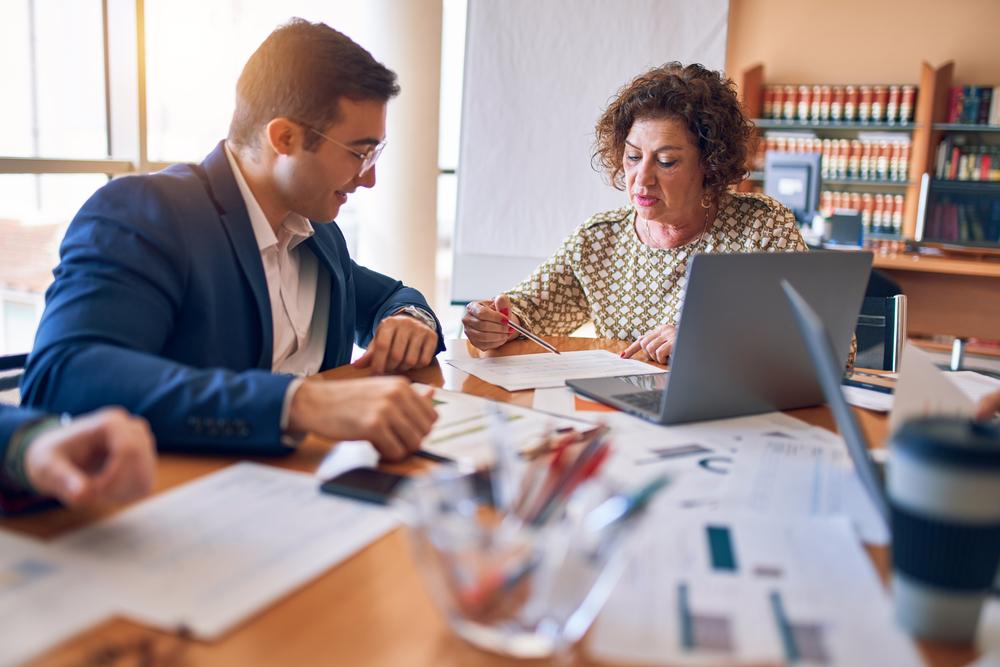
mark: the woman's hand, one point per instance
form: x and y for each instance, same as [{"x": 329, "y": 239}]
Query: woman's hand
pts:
[
  {"x": 485, "y": 322},
  {"x": 657, "y": 344}
]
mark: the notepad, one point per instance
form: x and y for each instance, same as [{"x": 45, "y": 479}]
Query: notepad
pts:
[{"x": 532, "y": 371}]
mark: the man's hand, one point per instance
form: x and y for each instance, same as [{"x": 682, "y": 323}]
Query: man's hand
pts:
[
  {"x": 387, "y": 412},
  {"x": 105, "y": 457},
  {"x": 401, "y": 343},
  {"x": 989, "y": 406},
  {"x": 657, "y": 344},
  {"x": 485, "y": 322}
]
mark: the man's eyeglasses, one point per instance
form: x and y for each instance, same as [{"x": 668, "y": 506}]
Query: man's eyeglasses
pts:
[{"x": 368, "y": 158}]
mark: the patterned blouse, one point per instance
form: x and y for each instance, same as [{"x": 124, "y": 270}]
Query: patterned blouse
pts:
[{"x": 604, "y": 273}]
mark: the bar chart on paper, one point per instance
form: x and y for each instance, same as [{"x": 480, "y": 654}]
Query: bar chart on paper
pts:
[
  {"x": 801, "y": 641},
  {"x": 699, "y": 631}
]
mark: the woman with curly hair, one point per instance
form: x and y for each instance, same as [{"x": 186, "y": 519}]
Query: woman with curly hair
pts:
[{"x": 675, "y": 139}]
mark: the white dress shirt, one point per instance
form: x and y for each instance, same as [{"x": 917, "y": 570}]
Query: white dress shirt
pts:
[
  {"x": 299, "y": 291},
  {"x": 298, "y": 287}
]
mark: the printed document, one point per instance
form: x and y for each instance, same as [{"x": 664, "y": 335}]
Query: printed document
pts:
[
  {"x": 216, "y": 550},
  {"x": 42, "y": 599},
  {"x": 808, "y": 473},
  {"x": 530, "y": 371},
  {"x": 732, "y": 588}
]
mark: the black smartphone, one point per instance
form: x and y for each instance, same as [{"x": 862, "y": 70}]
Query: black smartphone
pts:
[{"x": 365, "y": 484}]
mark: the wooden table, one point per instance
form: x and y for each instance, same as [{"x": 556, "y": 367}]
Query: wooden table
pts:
[
  {"x": 947, "y": 296},
  {"x": 372, "y": 609}
]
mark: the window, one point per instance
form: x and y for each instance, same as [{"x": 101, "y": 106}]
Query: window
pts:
[
  {"x": 52, "y": 66},
  {"x": 19, "y": 322},
  {"x": 72, "y": 112}
]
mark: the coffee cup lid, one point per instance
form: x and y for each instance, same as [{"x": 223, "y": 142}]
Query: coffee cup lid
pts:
[{"x": 951, "y": 440}]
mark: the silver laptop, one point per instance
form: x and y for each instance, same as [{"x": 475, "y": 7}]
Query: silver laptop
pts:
[
  {"x": 830, "y": 372},
  {"x": 738, "y": 350}
]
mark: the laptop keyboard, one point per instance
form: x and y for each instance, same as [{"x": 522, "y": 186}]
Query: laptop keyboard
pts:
[{"x": 648, "y": 401}]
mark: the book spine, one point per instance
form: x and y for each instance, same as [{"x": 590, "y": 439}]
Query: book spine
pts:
[
  {"x": 970, "y": 104},
  {"x": 954, "y": 104},
  {"x": 942, "y": 152},
  {"x": 985, "y": 99}
]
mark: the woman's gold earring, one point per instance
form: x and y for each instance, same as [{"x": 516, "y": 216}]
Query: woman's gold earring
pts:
[{"x": 706, "y": 200}]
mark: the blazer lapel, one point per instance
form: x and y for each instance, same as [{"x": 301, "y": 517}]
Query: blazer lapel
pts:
[
  {"x": 233, "y": 212},
  {"x": 341, "y": 325}
]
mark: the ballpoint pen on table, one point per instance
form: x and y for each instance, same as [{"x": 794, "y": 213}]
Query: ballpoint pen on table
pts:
[
  {"x": 882, "y": 389},
  {"x": 530, "y": 336}
]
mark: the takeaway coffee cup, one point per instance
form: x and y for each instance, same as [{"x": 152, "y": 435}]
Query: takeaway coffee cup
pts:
[{"x": 944, "y": 495}]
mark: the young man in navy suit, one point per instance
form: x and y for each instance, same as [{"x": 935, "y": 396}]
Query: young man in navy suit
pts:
[
  {"x": 103, "y": 458},
  {"x": 198, "y": 297}
]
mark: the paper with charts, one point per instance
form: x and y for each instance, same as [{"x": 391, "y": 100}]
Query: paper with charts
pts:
[
  {"x": 216, "y": 550},
  {"x": 730, "y": 588},
  {"x": 801, "y": 474},
  {"x": 43, "y": 600},
  {"x": 530, "y": 371}
]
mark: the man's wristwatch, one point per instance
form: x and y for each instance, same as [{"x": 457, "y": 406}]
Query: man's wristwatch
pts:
[{"x": 418, "y": 314}]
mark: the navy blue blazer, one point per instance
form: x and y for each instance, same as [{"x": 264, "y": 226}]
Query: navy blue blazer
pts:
[{"x": 160, "y": 305}]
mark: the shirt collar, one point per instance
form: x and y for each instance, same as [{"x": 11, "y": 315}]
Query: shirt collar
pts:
[{"x": 299, "y": 228}]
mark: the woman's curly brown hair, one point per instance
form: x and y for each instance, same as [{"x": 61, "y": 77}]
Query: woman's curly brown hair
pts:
[{"x": 705, "y": 101}]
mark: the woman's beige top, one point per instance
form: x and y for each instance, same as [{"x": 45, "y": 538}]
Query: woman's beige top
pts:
[{"x": 604, "y": 273}]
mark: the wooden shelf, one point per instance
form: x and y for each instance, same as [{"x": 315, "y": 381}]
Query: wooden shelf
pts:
[
  {"x": 775, "y": 124},
  {"x": 866, "y": 182},
  {"x": 936, "y": 264},
  {"x": 757, "y": 176},
  {"x": 966, "y": 187},
  {"x": 965, "y": 127}
]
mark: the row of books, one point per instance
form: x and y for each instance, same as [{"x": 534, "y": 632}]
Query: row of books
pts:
[
  {"x": 890, "y": 104},
  {"x": 862, "y": 159},
  {"x": 881, "y": 213},
  {"x": 974, "y": 104},
  {"x": 958, "y": 161},
  {"x": 963, "y": 222}
]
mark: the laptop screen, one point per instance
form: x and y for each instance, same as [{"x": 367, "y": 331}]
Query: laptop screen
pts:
[{"x": 829, "y": 373}]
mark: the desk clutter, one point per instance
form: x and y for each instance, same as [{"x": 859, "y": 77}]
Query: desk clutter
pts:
[
  {"x": 520, "y": 557},
  {"x": 725, "y": 542},
  {"x": 752, "y": 552}
]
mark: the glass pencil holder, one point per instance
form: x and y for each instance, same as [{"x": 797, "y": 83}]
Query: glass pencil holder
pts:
[{"x": 514, "y": 587}]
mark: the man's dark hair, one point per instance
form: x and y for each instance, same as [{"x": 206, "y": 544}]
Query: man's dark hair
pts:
[{"x": 300, "y": 72}]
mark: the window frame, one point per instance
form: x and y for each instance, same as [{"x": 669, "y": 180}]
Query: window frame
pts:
[{"x": 123, "y": 26}]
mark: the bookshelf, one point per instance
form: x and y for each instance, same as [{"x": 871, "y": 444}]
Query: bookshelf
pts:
[
  {"x": 962, "y": 203},
  {"x": 932, "y": 91}
]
